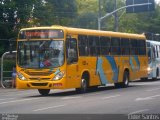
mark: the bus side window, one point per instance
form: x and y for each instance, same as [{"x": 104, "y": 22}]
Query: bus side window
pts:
[
  {"x": 83, "y": 45},
  {"x": 92, "y": 46},
  {"x": 72, "y": 54},
  {"x": 105, "y": 45},
  {"x": 157, "y": 49},
  {"x": 115, "y": 46},
  {"x": 154, "y": 52},
  {"x": 133, "y": 47},
  {"x": 125, "y": 49}
]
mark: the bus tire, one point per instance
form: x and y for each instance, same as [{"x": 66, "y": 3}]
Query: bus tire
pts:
[
  {"x": 125, "y": 82},
  {"x": 44, "y": 92},
  {"x": 144, "y": 79},
  {"x": 83, "y": 87},
  {"x": 117, "y": 85},
  {"x": 157, "y": 74}
]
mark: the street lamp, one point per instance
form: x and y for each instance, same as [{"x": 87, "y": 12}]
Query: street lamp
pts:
[{"x": 111, "y": 13}]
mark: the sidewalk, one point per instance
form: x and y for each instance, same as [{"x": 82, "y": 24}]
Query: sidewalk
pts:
[{"x": 7, "y": 90}]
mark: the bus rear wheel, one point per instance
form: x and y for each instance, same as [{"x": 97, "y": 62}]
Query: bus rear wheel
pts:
[
  {"x": 125, "y": 82},
  {"x": 157, "y": 74},
  {"x": 44, "y": 92}
]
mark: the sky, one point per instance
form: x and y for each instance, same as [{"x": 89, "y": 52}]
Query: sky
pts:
[{"x": 157, "y": 1}]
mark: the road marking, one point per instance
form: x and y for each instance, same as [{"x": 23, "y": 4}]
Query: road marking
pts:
[
  {"x": 6, "y": 99},
  {"x": 108, "y": 97},
  {"x": 147, "y": 98},
  {"x": 67, "y": 98},
  {"x": 92, "y": 94},
  {"x": 49, "y": 108},
  {"x": 18, "y": 94},
  {"x": 148, "y": 83},
  {"x": 153, "y": 89},
  {"x": 18, "y": 101},
  {"x": 138, "y": 111}
]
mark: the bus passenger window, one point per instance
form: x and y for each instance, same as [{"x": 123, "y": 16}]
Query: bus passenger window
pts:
[
  {"x": 154, "y": 53},
  {"x": 133, "y": 47},
  {"x": 115, "y": 46},
  {"x": 125, "y": 50},
  {"x": 83, "y": 45},
  {"x": 105, "y": 45},
  {"x": 93, "y": 45},
  {"x": 141, "y": 47}
]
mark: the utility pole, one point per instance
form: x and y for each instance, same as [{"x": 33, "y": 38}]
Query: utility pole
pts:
[
  {"x": 116, "y": 17},
  {"x": 99, "y": 14}
]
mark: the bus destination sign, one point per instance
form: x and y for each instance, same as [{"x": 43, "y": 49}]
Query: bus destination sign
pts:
[{"x": 41, "y": 34}]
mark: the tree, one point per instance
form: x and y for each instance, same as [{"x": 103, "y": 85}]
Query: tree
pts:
[
  {"x": 6, "y": 24},
  {"x": 87, "y": 20},
  {"x": 13, "y": 15},
  {"x": 55, "y": 12},
  {"x": 87, "y": 11},
  {"x": 17, "y": 14}
]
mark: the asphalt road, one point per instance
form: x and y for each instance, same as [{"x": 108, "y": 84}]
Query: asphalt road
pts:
[{"x": 140, "y": 98}]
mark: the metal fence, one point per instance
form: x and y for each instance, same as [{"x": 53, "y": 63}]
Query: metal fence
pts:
[{"x": 6, "y": 81}]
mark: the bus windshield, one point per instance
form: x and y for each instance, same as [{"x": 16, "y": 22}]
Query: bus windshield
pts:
[{"x": 40, "y": 54}]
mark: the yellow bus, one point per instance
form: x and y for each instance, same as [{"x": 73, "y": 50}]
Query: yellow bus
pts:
[{"x": 58, "y": 57}]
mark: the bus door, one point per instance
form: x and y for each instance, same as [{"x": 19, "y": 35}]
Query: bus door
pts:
[
  {"x": 153, "y": 64},
  {"x": 72, "y": 63}
]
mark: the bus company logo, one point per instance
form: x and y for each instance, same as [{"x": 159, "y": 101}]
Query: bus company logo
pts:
[
  {"x": 144, "y": 117},
  {"x": 9, "y": 117},
  {"x": 38, "y": 78}
]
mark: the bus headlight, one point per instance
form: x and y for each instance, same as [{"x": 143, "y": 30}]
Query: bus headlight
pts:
[
  {"x": 20, "y": 76},
  {"x": 148, "y": 69},
  {"x": 59, "y": 75}
]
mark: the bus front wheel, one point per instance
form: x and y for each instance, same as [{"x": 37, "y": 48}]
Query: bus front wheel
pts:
[
  {"x": 83, "y": 87},
  {"x": 44, "y": 92}
]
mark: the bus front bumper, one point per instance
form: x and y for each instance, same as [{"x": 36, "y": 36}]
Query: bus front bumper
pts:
[{"x": 41, "y": 84}]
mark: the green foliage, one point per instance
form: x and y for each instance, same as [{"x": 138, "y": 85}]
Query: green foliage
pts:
[
  {"x": 87, "y": 20},
  {"x": 54, "y": 12},
  {"x": 84, "y": 6},
  {"x": 87, "y": 11},
  {"x": 8, "y": 66},
  {"x": 17, "y": 14}
]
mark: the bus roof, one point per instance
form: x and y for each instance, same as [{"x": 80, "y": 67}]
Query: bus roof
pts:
[
  {"x": 153, "y": 42},
  {"x": 81, "y": 31}
]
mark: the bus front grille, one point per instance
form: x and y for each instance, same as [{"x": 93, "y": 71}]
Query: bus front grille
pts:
[
  {"x": 39, "y": 73},
  {"x": 39, "y": 78},
  {"x": 39, "y": 84}
]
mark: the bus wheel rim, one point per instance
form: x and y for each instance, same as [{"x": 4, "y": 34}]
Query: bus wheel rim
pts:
[
  {"x": 126, "y": 81},
  {"x": 84, "y": 85}
]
